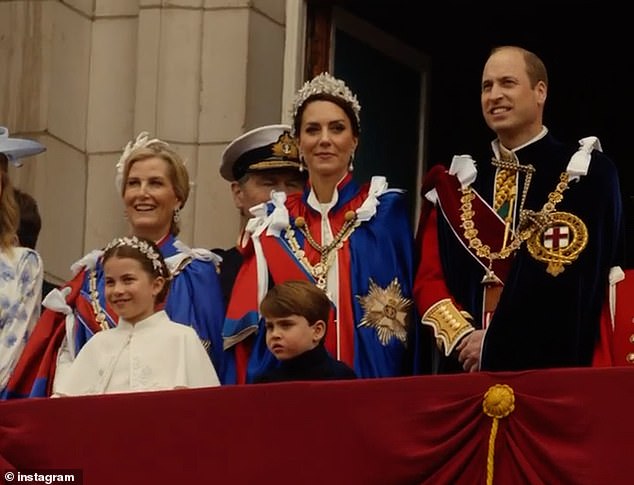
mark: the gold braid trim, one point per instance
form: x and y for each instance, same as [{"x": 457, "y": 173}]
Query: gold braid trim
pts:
[
  {"x": 499, "y": 402},
  {"x": 449, "y": 324}
]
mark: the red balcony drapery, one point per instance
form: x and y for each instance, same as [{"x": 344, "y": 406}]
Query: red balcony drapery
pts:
[{"x": 568, "y": 426}]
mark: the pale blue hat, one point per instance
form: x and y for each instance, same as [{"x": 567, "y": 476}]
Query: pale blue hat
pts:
[{"x": 17, "y": 148}]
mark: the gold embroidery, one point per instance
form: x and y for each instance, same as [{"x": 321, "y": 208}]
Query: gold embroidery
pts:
[
  {"x": 285, "y": 147},
  {"x": 387, "y": 310},
  {"x": 449, "y": 324}
]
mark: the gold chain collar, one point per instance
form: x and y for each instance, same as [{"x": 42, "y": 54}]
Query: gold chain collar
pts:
[
  {"x": 100, "y": 314},
  {"x": 319, "y": 270},
  {"x": 529, "y": 222}
]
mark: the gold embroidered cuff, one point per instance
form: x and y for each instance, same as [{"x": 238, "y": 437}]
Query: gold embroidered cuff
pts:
[{"x": 449, "y": 324}]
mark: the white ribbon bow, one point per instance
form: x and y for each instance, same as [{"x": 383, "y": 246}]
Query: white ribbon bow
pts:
[
  {"x": 258, "y": 222},
  {"x": 378, "y": 186},
  {"x": 89, "y": 261},
  {"x": 464, "y": 168},
  {"x": 56, "y": 301},
  {"x": 197, "y": 253},
  {"x": 580, "y": 160},
  {"x": 278, "y": 219}
]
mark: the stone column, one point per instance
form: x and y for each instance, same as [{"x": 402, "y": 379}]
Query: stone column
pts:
[{"x": 84, "y": 76}]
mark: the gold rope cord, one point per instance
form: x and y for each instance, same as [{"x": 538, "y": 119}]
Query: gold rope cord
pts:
[{"x": 498, "y": 403}]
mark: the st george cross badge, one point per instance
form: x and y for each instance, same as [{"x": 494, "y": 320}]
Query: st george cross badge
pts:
[{"x": 559, "y": 242}]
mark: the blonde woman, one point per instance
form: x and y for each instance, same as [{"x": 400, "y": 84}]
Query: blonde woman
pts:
[{"x": 154, "y": 184}]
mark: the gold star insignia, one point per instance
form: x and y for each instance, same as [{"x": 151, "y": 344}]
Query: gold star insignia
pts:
[{"x": 386, "y": 310}]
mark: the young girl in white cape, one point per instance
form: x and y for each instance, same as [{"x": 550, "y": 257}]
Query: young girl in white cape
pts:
[{"x": 146, "y": 351}]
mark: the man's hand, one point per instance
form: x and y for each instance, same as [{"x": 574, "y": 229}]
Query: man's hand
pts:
[{"x": 469, "y": 351}]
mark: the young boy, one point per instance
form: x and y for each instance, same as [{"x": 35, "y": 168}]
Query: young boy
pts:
[{"x": 295, "y": 314}]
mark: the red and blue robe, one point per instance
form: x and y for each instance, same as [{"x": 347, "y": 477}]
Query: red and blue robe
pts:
[
  {"x": 194, "y": 299},
  {"x": 375, "y": 261}
]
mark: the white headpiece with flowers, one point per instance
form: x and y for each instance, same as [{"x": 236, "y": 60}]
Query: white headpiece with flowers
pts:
[
  {"x": 142, "y": 140},
  {"x": 145, "y": 249},
  {"x": 325, "y": 83}
]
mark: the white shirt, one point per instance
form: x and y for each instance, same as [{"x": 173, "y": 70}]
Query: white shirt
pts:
[{"x": 154, "y": 354}]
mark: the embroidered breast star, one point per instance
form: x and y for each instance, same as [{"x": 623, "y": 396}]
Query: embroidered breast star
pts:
[{"x": 386, "y": 310}]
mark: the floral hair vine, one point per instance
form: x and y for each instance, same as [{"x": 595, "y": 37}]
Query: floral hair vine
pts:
[
  {"x": 142, "y": 140},
  {"x": 147, "y": 250},
  {"x": 325, "y": 83}
]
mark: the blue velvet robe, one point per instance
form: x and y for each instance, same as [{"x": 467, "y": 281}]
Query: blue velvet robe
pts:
[{"x": 541, "y": 320}]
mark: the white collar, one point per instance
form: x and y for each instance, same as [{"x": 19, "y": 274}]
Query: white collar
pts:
[
  {"x": 148, "y": 322},
  {"x": 496, "y": 148}
]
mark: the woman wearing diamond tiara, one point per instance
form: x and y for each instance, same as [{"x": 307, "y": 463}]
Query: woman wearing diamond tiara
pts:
[
  {"x": 353, "y": 241},
  {"x": 146, "y": 351},
  {"x": 153, "y": 182}
]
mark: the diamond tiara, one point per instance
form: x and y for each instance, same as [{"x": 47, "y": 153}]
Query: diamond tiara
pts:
[
  {"x": 325, "y": 83},
  {"x": 136, "y": 243}
]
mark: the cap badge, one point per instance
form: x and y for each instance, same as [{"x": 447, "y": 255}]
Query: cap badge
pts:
[{"x": 285, "y": 147}]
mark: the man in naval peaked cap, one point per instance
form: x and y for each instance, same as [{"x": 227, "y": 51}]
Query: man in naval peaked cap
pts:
[{"x": 256, "y": 163}]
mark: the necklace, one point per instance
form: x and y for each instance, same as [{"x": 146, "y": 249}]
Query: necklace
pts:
[
  {"x": 319, "y": 270},
  {"x": 529, "y": 222}
]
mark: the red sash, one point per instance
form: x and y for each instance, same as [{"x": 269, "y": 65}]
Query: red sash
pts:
[
  {"x": 490, "y": 231},
  {"x": 489, "y": 225}
]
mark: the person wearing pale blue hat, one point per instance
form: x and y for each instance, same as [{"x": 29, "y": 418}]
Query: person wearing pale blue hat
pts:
[
  {"x": 15, "y": 149},
  {"x": 22, "y": 268}
]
